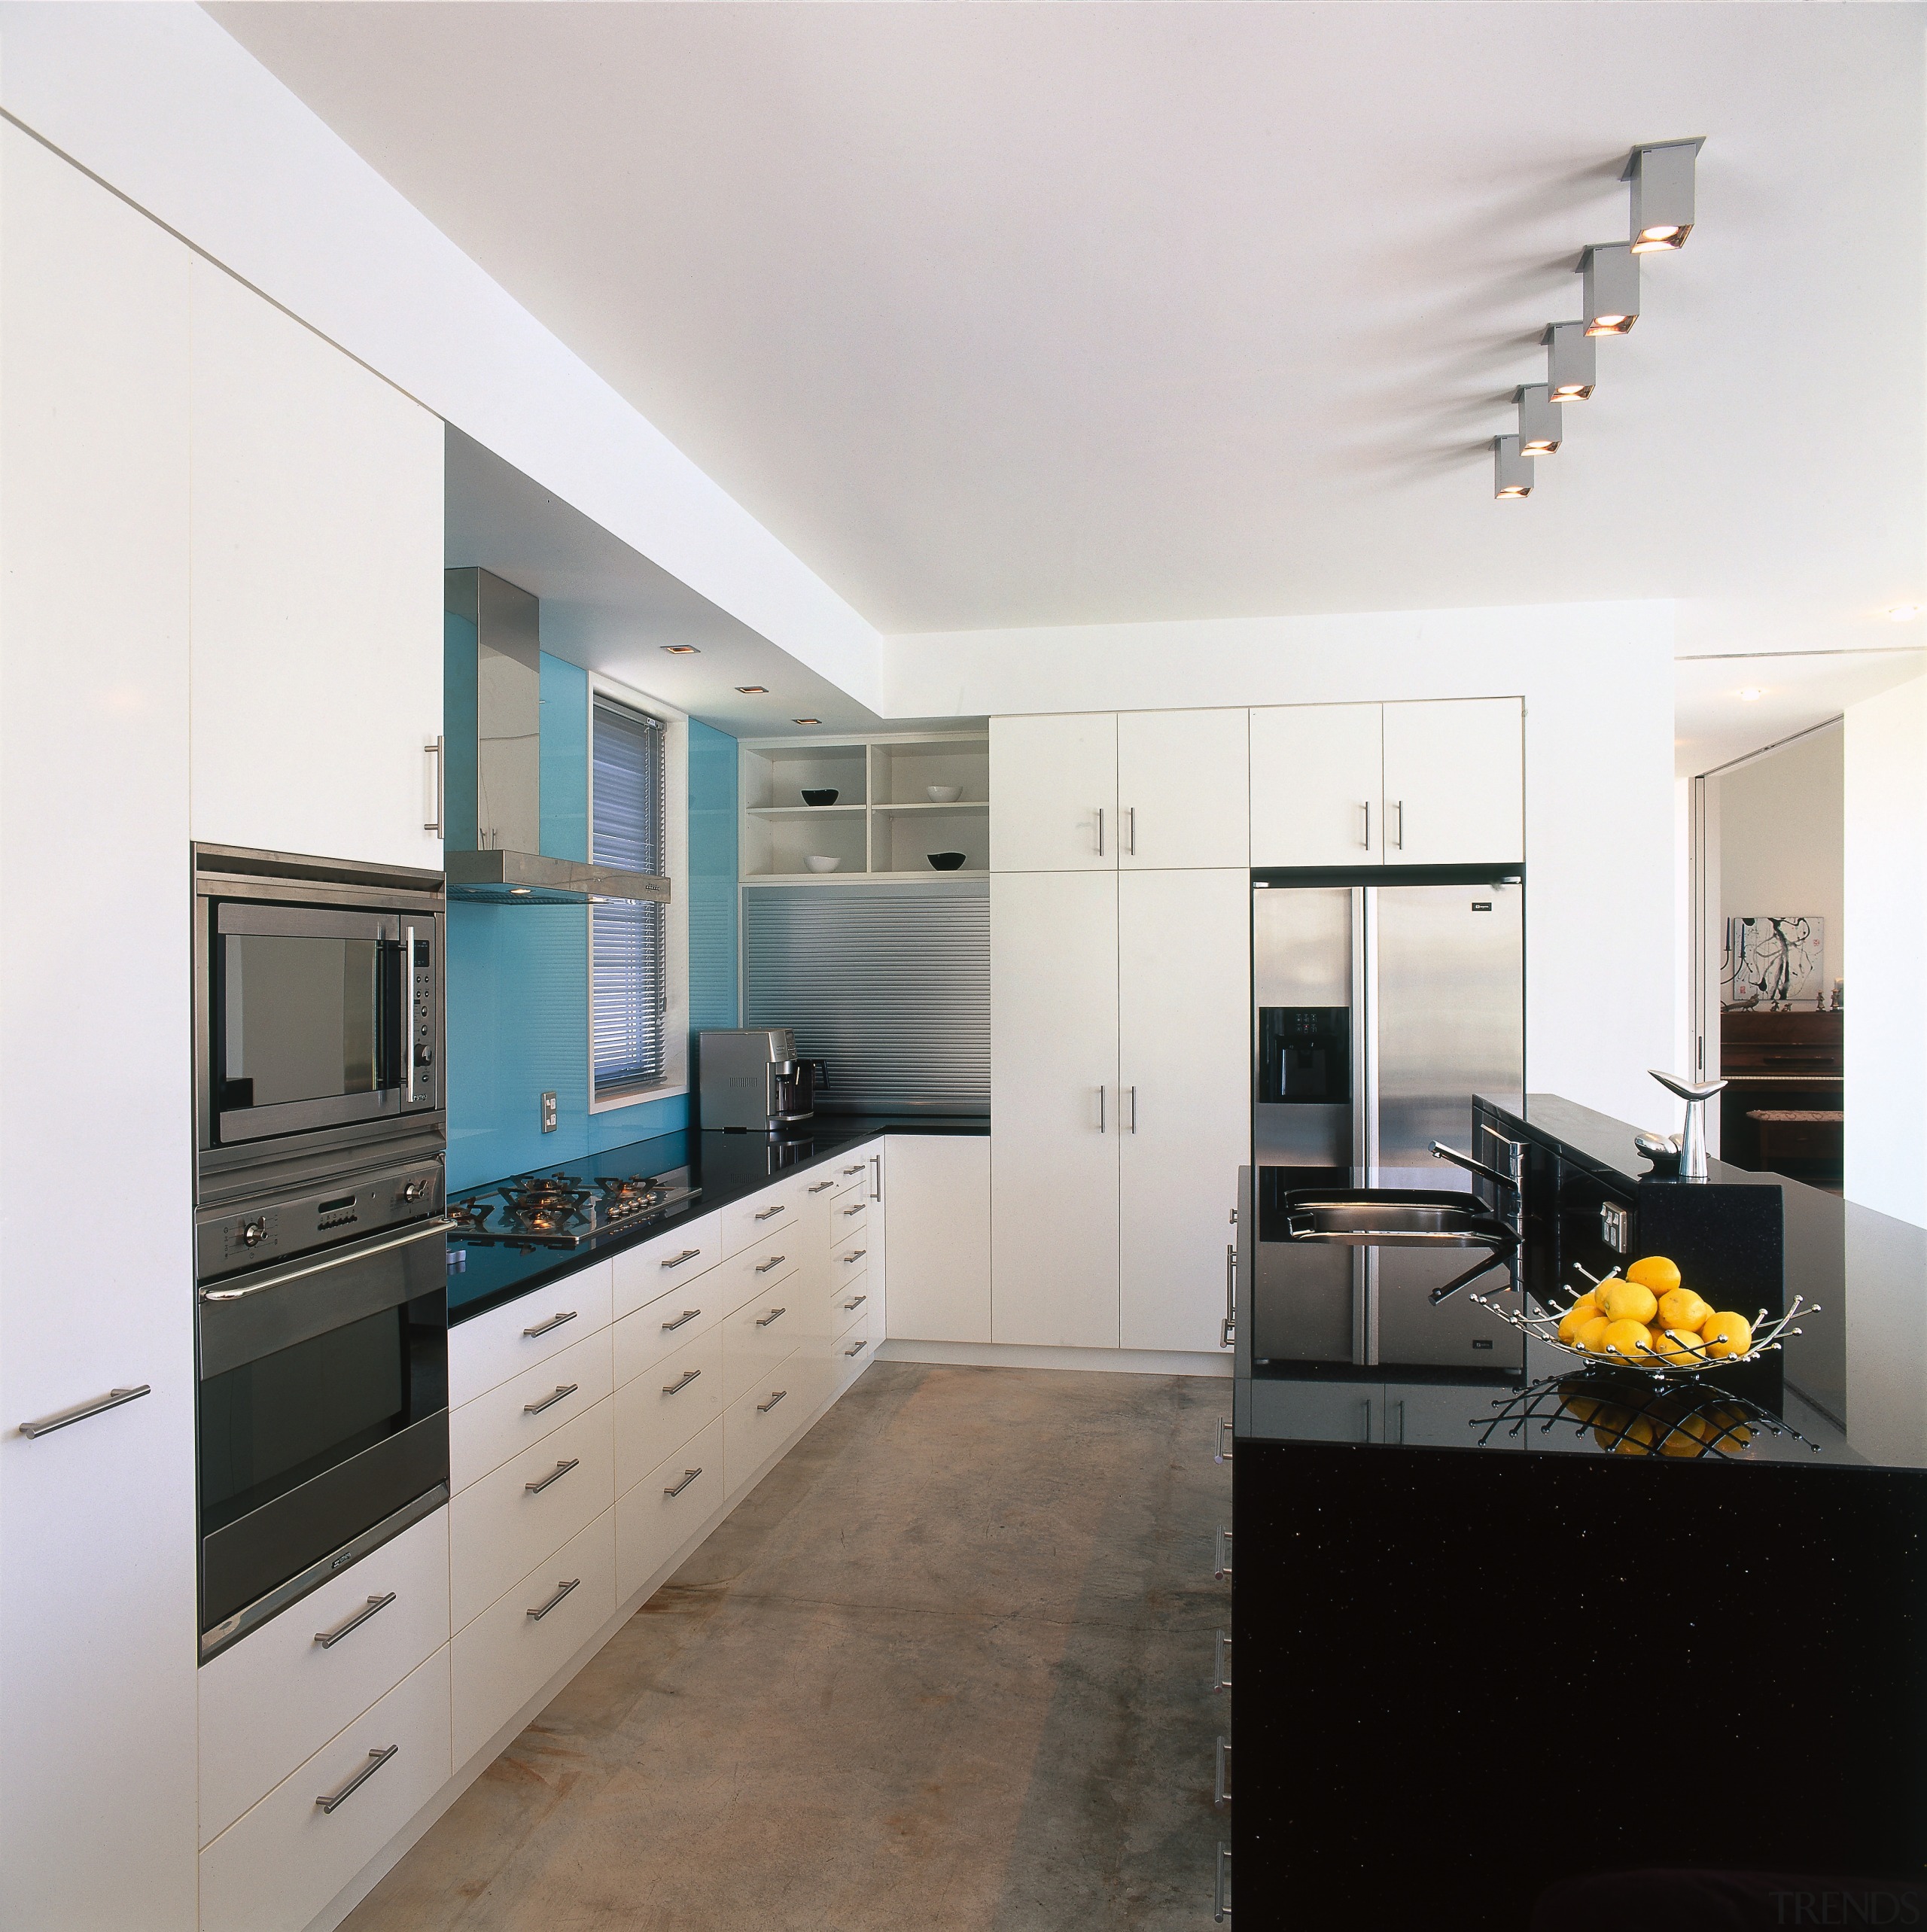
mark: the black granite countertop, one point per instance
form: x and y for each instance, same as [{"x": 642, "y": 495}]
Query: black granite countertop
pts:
[
  {"x": 725, "y": 1166},
  {"x": 1850, "y": 1390}
]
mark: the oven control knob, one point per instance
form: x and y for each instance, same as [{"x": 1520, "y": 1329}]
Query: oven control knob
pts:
[
  {"x": 414, "y": 1190},
  {"x": 424, "y": 1055},
  {"x": 254, "y": 1233}
]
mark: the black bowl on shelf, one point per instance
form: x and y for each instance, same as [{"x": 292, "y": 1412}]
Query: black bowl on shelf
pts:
[
  {"x": 820, "y": 796},
  {"x": 945, "y": 862}
]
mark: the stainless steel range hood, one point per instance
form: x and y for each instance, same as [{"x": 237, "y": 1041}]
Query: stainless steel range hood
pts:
[{"x": 493, "y": 779}]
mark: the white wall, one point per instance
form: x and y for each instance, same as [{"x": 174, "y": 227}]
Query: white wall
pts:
[
  {"x": 1782, "y": 838},
  {"x": 1597, "y": 682},
  {"x": 166, "y": 108},
  {"x": 1886, "y": 904}
]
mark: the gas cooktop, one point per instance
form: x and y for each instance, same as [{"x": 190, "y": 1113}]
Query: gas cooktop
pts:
[{"x": 563, "y": 1210}]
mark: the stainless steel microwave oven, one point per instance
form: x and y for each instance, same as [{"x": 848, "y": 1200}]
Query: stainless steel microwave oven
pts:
[{"x": 317, "y": 1010}]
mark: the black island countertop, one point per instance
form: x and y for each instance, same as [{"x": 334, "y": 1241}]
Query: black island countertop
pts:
[
  {"x": 1849, "y": 1391},
  {"x": 724, "y": 1166}
]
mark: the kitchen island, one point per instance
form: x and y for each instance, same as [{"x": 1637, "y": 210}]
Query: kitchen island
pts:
[{"x": 1518, "y": 1647}]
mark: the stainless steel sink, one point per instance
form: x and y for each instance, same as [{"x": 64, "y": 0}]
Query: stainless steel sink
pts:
[{"x": 1384, "y": 1220}]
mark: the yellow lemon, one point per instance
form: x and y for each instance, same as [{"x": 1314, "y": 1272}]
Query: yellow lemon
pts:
[
  {"x": 1684, "y": 1440},
  {"x": 1726, "y": 1334},
  {"x": 1588, "y": 1335},
  {"x": 1723, "y": 1429},
  {"x": 1681, "y": 1308},
  {"x": 1632, "y": 1436},
  {"x": 1631, "y": 1341},
  {"x": 1630, "y": 1301},
  {"x": 1679, "y": 1347},
  {"x": 1574, "y": 1319},
  {"x": 1654, "y": 1272}
]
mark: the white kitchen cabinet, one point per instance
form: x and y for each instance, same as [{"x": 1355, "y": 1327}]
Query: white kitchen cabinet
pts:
[
  {"x": 939, "y": 1189},
  {"x": 1317, "y": 778},
  {"x": 1454, "y": 783},
  {"x": 317, "y": 591},
  {"x": 1184, "y": 1013},
  {"x": 1054, "y": 1104},
  {"x": 97, "y": 1532},
  {"x": 1054, "y": 793},
  {"x": 1183, "y": 794}
]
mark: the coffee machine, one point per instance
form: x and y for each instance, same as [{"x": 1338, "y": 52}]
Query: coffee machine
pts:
[{"x": 750, "y": 1081}]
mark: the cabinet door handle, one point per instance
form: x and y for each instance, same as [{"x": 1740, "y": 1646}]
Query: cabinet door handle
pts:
[
  {"x": 856, "y": 1169},
  {"x": 1398, "y": 806},
  {"x": 854, "y": 1255},
  {"x": 555, "y": 1475},
  {"x": 563, "y": 1391},
  {"x": 821, "y": 1185},
  {"x": 1221, "y": 1885},
  {"x": 677, "y": 1387},
  {"x": 1221, "y": 1663},
  {"x": 1133, "y": 1092},
  {"x": 770, "y": 1213},
  {"x": 677, "y": 1489},
  {"x": 1131, "y": 830},
  {"x": 1368, "y": 824},
  {"x": 1222, "y": 1791},
  {"x": 1101, "y": 1107},
  {"x": 850, "y": 1307},
  {"x": 774, "y": 1315},
  {"x": 876, "y": 1177},
  {"x": 677, "y": 1260},
  {"x": 562, "y": 1590},
  {"x": 856, "y": 1348},
  {"x": 434, "y": 749},
  {"x": 1223, "y": 1567},
  {"x": 687, "y": 1315},
  {"x": 553, "y": 1321},
  {"x": 860, "y": 1207},
  {"x": 62, "y": 1418},
  {"x": 774, "y": 1261},
  {"x": 327, "y": 1639},
  {"x": 1100, "y": 831},
  {"x": 775, "y": 1396},
  {"x": 376, "y": 1759},
  {"x": 1223, "y": 1452}
]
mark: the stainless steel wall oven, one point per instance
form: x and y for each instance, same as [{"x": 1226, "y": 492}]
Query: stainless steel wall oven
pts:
[{"x": 321, "y": 1263}]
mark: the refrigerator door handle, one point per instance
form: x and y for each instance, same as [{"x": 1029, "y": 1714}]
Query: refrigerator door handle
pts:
[{"x": 1368, "y": 824}]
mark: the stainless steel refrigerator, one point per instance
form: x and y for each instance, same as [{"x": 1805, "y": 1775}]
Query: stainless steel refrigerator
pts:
[{"x": 1382, "y": 1008}]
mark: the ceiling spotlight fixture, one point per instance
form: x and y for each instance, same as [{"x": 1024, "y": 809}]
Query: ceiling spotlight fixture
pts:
[
  {"x": 806, "y": 721},
  {"x": 753, "y": 690},
  {"x": 1905, "y": 613},
  {"x": 1611, "y": 286},
  {"x": 680, "y": 650},
  {"x": 1661, "y": 173},
  {"x": 1572, "y": 361},
  {"x": 1512, "y": 473},
  {"x": 1750, "y": 694},
  {"x": 1538, "y": 420}
]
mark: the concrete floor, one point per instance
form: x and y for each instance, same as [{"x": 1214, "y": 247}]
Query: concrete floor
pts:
[{"x": 948, "y": 1667}]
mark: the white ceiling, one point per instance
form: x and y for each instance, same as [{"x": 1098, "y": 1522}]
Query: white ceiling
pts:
[
  {"x": 1713, "y": 724},
  {"x": 1007, "y": 314}
]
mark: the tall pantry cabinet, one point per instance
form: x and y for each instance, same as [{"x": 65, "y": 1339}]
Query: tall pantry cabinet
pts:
[{"x": 1119, "y": 1032}]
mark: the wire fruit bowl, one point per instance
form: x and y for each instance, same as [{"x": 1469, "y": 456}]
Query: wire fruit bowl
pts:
[
  {"x": 1698, "y": 1356},
  {"x": 1630, "y": 1415}
]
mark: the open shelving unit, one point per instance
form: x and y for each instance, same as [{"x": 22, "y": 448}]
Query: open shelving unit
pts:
[{"x": 884, "y": 823}]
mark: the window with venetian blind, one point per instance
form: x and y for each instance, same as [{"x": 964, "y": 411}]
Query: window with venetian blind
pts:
[{"x": 628, "y": 969}]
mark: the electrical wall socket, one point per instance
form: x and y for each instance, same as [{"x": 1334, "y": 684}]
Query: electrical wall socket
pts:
[{"x": 550, "y": 1121}]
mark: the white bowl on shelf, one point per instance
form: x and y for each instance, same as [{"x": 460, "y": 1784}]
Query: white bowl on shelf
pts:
[
  {"x": 944, "y": 795},
  {"x": 817, "y": 863}
]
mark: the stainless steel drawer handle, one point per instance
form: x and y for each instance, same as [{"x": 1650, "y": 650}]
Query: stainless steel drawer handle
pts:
[
  {"x": 677, "y": 1260},
  {"x": 553, "y": 1321},
  {"x": 677, "y": 1489},
  {"x": 856, "y": 1170},
  {"x": 775, "y": 1396},
  {"x": 850, "y": 1307},
  {"x": 327, "y": 1639},
  {"x": 1221, "y": 1889},
  {"x": 1221, "y": 1793},
  {"x": 854, "y": 1255},
  {"x": 62, "y": 1418},
  {"x": 376, "y": 1759},
  {"x": 1223, "y": 1452},
  {"x": 1221, "y": 1663},
  {"x": 562, "y": 1590},
  {"x": 563, "y": 1390},
  {"x": 860, "y": 1207},
  {"x": 1224, "y": 1562},
  {"x": 555, "y": 1475},
  {"x": 856, "y": 1348},
  {"x": 774, "y": 1261},
  {"x": 769, "y": 1213},
  {"x": 764, "y": 1320},
  {"x": 687, "y": 1315},
  {"x": 677, "y": 1387},
  {"x": 821, "y": 1185}
]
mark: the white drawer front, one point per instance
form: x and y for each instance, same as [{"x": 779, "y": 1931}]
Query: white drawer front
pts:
[
  {"x": 500, "y": 1526},
  {"x": 508, "y": 1339},
  {"x": 280, "y": 1693},
  {"x": 503, "y": 1658},
  {"x": 666, "y": 1263},
  {"x": 854, "y": 1353},
  {"x": 761, "y": 1421},
  {"x": 851, "y": 1175},
  {"x": 819, "y": 1185},
  {"x": 652, "y": 1335},
  {"x": 849, "y": 1220},
  {"x": 763, "y": 1218},
  {"x": 485, "y": 1433},
  {"x": 666, "y": 1507},
  {"x": 761, "y": 1332},
  {"x": 850, "y": 1302},
  {"x": 274, "y": 1869},
  {"x": 850, "y": 1258},
  {"x": 752, "y": 1275},
  {"x": 666, "y": 1407}
]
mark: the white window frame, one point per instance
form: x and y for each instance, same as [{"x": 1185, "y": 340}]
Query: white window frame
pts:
[{"x": 675, "y": 1081}]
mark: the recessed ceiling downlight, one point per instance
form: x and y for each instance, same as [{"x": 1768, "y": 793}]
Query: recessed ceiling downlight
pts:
[
  {"x": 1751, "y": 694},
  {"x": 753, "y": 690},
  {"x": 680, "y": 650},
  {"x": 1903, "y": 613}
]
